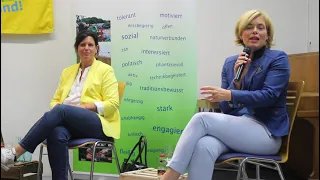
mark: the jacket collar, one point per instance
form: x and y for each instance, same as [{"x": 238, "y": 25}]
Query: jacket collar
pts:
[
  {"x": 89, "y": 76},
  {"x": 255, "y": 66},
  {"x": 257, "y": 54},
  {"x": 72, "y": 76}
]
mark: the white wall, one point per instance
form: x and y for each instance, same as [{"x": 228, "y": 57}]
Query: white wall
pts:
[
  {"x": 216, "y": 22},
  {"x": 31, "y": 65},
  {"x": 30, "y": 71},
  {"x": 313, "y": 28}
]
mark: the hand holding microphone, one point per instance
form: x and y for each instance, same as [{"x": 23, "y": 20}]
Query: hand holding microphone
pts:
[{"x": 241, "y": 65}]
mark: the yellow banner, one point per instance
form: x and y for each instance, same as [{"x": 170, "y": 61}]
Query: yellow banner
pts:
[{"x": 26, "y": 16}]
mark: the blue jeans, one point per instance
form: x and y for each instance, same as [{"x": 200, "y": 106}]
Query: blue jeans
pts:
[
  {"x": 58, "y": 126},
  {"x": 208, "y": 135}
]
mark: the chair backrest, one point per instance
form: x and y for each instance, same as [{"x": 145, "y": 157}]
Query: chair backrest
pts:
[
  {"x": 295, "y": 89},
  {"x": 121, "y": 86},
  {"x": 104, "y": 59}
]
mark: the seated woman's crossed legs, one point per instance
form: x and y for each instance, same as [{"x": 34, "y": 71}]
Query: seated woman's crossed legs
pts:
[
  {"x": 208, "y": 135},
  {"x": 57, "y": 126}
]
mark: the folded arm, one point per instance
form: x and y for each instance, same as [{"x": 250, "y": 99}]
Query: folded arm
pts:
[
  {"x": 110, "y": 96},
  {"x": 225, "y": 106},
  {"x": 275, "y": 83},
  {"x": 110, "y": 93},
  {"x": 57, "y": 95}
]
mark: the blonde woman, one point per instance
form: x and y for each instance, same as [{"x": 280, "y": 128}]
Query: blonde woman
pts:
[{"x": 254, "y": 114}]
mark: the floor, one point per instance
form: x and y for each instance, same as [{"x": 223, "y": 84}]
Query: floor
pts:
[
  {"x": 218, "y": 175},
  {"x": 265, "y": 174}
]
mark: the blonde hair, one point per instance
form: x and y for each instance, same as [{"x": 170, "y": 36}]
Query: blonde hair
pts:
[{"x": 246, "y": 19}]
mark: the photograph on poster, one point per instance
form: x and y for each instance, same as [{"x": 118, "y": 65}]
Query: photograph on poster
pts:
[
  {"x": 98, "y": 25},
  {"x": 103, "y": 153},
  {"x": 102, "y": 28}
]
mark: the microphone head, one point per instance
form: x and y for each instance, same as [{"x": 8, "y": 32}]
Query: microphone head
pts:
[{"x": 247, "y": 50}]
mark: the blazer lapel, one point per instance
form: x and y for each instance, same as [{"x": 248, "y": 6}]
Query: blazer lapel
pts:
[
  {"x": 255, "y": 70},
  {"x": 70, "y": 80},
  {"x": 89, "y": 77}
]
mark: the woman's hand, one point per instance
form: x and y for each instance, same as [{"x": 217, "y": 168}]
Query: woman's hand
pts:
[
  {"x": 84, "y": 106},
  {"x": 216, "y": 94},
  {"x": 91, "y": 107},
  {"x": 242, "y": 59}
]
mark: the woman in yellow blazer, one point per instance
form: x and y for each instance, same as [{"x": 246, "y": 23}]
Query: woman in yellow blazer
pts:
[{"x": 85, "y": 105}]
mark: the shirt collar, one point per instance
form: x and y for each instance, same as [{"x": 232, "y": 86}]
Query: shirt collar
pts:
[{"x": 257, "y": 54}]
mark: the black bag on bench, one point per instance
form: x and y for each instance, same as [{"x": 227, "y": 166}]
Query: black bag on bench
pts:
[{"x": 137, "y": 163}]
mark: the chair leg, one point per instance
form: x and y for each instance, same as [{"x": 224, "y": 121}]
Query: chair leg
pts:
[
  {"x": 279, "y": 171},
  {"x": 70, "y": 172},
  {"x": 94, "y": 156},
  {"x": 258, "y": 172},
  {"x": 244, "y": 172},
  {"x": 240, "y": 169},
  {"x": 116, "y": 157},
  {"x": 40, "y": 168},
  {"x": 93, "y": 159}
]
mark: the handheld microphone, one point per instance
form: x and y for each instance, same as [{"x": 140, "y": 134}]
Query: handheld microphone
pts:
[{"x": 247, "y": 50}]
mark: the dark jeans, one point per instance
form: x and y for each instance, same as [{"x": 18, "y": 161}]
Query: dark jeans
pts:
[{"x": 58, "y": 126}]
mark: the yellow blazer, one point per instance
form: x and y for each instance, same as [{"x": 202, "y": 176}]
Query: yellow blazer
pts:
[{"x": 100, "y": 86}]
